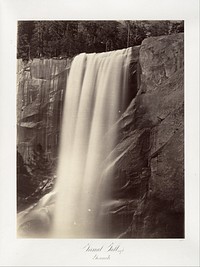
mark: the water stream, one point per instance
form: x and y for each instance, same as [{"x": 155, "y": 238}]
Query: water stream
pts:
[{"x": 96, "y": 95}]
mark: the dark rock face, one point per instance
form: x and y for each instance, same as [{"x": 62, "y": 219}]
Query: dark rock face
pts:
[
  {"x": 147, "y": 196},
  {"x": 41, "y": 88},
  {"x": 150, "y": 170}
]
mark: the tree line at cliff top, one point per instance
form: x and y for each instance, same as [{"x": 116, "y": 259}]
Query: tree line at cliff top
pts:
[{"x": 64, "y": 39}]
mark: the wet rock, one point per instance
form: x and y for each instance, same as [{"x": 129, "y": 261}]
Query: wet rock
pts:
[
  {"x": 36, "y": 221},
  {"x": 150, "y": 150}
]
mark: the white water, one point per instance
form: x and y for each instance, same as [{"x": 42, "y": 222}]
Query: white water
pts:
[{"x": 95, "y": 97}]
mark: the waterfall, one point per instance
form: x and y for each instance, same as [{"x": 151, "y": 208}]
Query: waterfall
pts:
[{"x": 96, "y": 96}]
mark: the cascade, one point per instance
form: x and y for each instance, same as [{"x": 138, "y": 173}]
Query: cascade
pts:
[{"x": 96, "y": 96}]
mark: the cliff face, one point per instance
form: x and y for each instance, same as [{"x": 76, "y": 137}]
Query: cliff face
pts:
[
  {"x": 40, "y": 97},
  {"x": 41, "y": 87},
  {"x": 148, "y": 187},
  {"x": 150, "y": 154}
]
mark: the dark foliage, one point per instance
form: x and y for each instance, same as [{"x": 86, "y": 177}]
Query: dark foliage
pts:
[{"x": 47, "y": 39}]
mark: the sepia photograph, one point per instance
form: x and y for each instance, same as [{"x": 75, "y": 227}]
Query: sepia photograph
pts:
[
  {"x": 100, "y": 129},
  {"x": 99, "y": 140}
]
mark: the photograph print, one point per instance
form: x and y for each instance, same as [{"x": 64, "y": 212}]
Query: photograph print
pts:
[{"x": 100, "y": 129}]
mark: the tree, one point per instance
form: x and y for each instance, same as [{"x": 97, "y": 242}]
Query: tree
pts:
[
  {"x": 25, "y": 31},
  {"x": 49, "y": 39},
  {"x": 38, "y": 38}
]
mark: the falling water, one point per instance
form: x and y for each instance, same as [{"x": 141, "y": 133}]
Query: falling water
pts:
[{"x": 96, "y": 95}]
